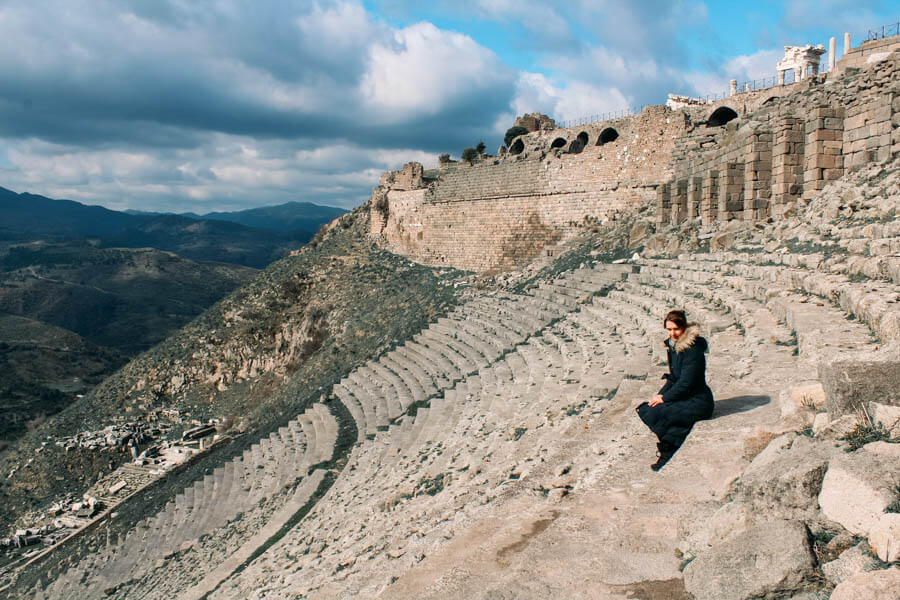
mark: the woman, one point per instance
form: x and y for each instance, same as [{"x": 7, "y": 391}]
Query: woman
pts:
[{"x": 685, "y": 398}]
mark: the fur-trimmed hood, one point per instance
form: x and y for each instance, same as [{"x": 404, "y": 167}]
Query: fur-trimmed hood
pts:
[{"x": 687, "y": 339}]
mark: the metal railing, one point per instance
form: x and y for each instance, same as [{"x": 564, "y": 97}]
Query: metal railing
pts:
[
  {"x": 884, "y": 31},
  {"x": 600, "y": 117}
]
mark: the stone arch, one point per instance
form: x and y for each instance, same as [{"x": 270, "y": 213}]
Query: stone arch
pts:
[
  {"x": 558, "y": 143},
  {"x": 579, "y": 143},
  {"x": 607, "y": 135},
  {"x": 768, "y": 100},
  {"x": 720, "y": 116},
  {"x": 517, "y": 146}
]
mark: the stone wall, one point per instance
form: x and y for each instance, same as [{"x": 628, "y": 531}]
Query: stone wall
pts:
[
  {"x": 506, "y": 211},
  {"x": 782, "y": 145},
  {"x": 758, "y": 165},
  {"x": 869, "y": 50}
]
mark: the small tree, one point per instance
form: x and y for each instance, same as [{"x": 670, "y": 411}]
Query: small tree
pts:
[
  {"x": 444, "y": 158},
  {"x": 512, "y": 133},
  {"x": 480, "y": 147},
  {"x": 469, "y": 155}
]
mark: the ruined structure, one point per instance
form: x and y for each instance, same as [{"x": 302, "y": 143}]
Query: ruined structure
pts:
[
  {"x": 548, "y": 185},
  {"x": 748, "y": 156},
  {"x": 802, "y": 60}
]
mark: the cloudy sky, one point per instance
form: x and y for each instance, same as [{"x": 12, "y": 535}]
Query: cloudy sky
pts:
[{"x": 178, "y": 105}]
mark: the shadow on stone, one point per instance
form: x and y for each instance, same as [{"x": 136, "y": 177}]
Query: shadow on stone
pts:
[{"x": 738, "y": 404}]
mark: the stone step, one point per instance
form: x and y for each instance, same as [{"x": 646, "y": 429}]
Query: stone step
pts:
[
  {"x": 393, "y": 404},
  {"x": 402, "y": 393},
  {"x": 637, "y": 360},
  {"x": 361, "y": 407},
  {"x": 418, "y": 381},
  {"x": 369, "y": 393},
  {"x": 438, "y": 368},
  {"x": 441, "y": 346}
]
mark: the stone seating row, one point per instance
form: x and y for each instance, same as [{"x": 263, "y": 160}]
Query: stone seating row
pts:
[
  {"x": 821, "y": 330},
  {"x": 262, "y": 471},
  {"x": 447, "y": 351},
  {"x": 454, "y": 435},
  {"x": 874, "y": 302}
]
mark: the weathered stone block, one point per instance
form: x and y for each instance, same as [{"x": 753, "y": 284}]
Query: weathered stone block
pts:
[
  {"x": 850, "y": 563},
  {"x": 785, "y": 479},
  {"x": 884, "y": 537},
  {"x": 872, "y": 585},
  {"x": 856, "y": 489},
  {"x": 768, "y": 557},
  {"x": 851, "y": 383}
]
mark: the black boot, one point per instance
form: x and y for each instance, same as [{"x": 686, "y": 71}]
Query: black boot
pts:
[{"x": 666, "y": 451}]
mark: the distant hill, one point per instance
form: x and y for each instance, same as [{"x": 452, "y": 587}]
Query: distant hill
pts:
[
  {"x": 71, "y": 313},
  {"x": 288, "y": 217},
  {"x": 42, "y": 368},
  {"x": 253, "y": 237},
  {"x": 26, "y": 215}
]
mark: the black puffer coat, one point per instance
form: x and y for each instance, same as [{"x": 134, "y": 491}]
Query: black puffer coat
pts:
[{"x": 686, "y": 397}]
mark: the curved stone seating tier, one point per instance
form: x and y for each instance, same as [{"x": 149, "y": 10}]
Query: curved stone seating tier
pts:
[
  {"x": 421, "y": 385},
  {"x": 482, "y": 349},
  {"x": 516, "y": 322},
  {"x": 637, "y": 358},
  {"x": 519, "y": 319},
  {"x": 492, "y": 331},
  {"x": 369, "y": 393},
  {"x": 873, "y": 302},
  {"x": 457, "y": 436},
  {"x": 397, "y": 385},
  {"x": 550, "y": 293},
  {"x": 436, "y": 366},
  {"x": 658, "y": 300},
  {"x": 395, "y": 393},
  {"x": 463, "y": 358},
  {"x": 363, "y": 414},
  {"x": 261, "y": 472}
]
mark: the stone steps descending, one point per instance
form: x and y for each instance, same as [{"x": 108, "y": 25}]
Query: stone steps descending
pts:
[{"x": 261, "y": 473}]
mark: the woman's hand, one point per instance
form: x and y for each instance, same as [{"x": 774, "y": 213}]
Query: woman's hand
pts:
[{"x": 656, "y": 400}]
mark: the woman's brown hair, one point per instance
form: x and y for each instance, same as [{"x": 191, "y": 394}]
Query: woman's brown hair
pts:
[{"x": 677, "y": 317}]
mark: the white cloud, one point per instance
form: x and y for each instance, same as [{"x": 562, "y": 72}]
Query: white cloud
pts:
[
  {"x": 424, "y": 71},
  {"x": 577, "y": 99}
]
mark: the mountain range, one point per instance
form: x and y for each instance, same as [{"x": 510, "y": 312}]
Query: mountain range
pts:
[{"x": 253, "y": 237}]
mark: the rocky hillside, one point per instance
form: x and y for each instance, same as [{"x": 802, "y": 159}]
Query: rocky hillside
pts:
[
  {"x": 72, "y": 313},
  {"x": 259, "y": 355}
]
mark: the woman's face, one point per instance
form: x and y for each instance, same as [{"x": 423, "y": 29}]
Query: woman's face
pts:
[{"x": 673, "y": 330}]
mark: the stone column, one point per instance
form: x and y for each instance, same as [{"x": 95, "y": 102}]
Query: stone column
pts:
[
  {"x": 733, "y": 87},
  {"x": 831, "y": 50},
  {"x": 709, "y": 200},
  {"x": 757, "y": 175},
  {"x": 787, "y": 164},
  {"x": 731, "y": 191},
  {"x": 695, "y": 195},
  {"x": 781, "y": 77},
  {"x": 823, "y": 152},
  {"x": 798, "y": 74},
  {"x": 663, "y": 203},
  {"x": 679, "y": 201},
  {"x": 846, "y": 43}
]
